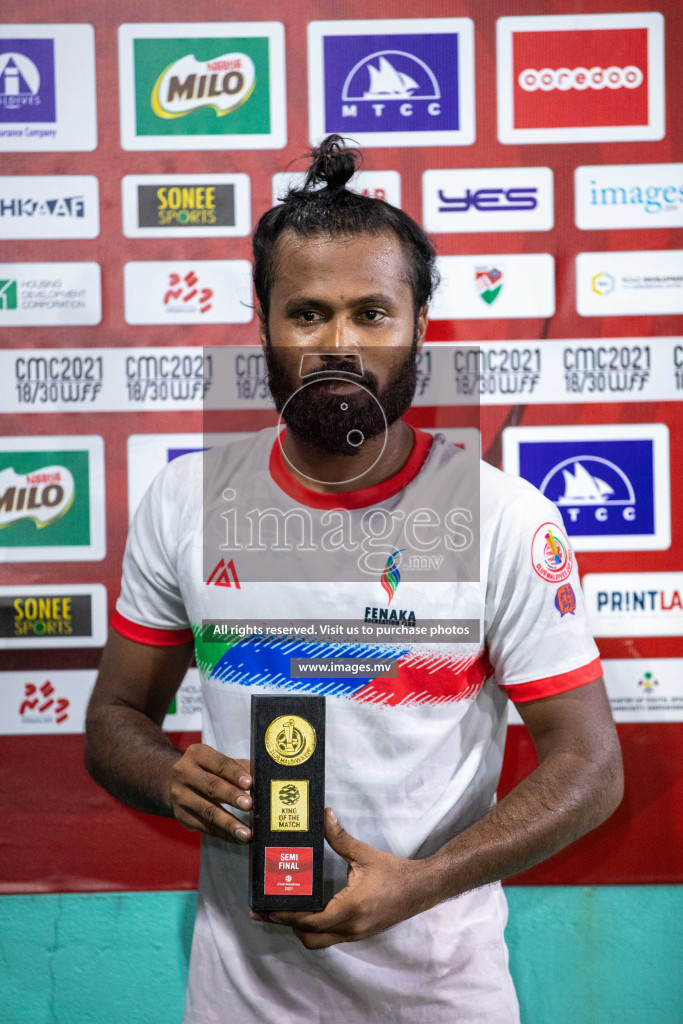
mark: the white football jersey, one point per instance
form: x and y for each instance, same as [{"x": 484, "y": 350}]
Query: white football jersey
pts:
[{"x": 411, "y": 760}]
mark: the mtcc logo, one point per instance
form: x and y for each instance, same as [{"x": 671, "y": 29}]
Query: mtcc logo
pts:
[
  {"x": 590, "y": 481},
  {"x": 391, "y": 76}
]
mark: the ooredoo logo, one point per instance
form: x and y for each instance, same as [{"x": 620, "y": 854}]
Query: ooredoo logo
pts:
[
  {"x": 579, "y": 79},
  {"x": 564, "y": 79}
]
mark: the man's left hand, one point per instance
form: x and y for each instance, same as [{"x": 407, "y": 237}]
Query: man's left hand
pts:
[{"x": 381, "y": 890}]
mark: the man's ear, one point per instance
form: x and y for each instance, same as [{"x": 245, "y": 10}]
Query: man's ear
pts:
[{"x": 422, "y": 320}]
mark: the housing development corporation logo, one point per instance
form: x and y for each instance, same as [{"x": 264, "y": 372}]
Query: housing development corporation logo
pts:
[
  {"x": 580, "y": 78},
  {"x": 33, "y": 294},
  {"x": 27, "y": 80},
  {"x": 392, "y": 82},
  {"x": 611, "y": 483},
  {"x": 51, "y": 499},
  {"x": 195, "y": 86}
]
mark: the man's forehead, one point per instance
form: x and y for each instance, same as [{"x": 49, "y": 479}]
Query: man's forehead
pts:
[{"x": 363, "y": 265}]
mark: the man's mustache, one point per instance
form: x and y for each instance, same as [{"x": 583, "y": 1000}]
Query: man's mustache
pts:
[{"x": 346, "y": 369}]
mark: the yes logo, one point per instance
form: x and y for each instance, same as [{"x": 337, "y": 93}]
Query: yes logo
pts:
[{"x": 401, "y": 82}]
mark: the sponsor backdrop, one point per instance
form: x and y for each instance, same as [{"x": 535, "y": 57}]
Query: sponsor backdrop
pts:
[{"x": 538, "y": 142}]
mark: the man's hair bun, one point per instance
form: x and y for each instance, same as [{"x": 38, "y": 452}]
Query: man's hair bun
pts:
[{"x": 332, "y": 163}]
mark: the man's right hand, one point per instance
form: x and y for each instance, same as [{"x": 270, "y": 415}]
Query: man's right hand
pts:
[{"x": 202, "y": 781}]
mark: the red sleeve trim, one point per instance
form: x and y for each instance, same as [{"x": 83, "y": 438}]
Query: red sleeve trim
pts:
[
  {"x": 148, "y": 635},
  {"x": 551, "y": 685}
]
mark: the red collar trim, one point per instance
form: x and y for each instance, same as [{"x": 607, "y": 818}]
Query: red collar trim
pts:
[{"x": 349, "y": 499}]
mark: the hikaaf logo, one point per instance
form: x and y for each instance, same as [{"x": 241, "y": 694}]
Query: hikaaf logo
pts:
[
  {"x": 551, "y": 555},
  {"x": 27, "y": 80},
  {"x": 488, "y": 282},
  {"x": 580, "y": 78},
  {"x": 611, "y": 483},
  {"x": 367, "y": 78},
  {"x": 391, "y": 577},
  {"x": 222, "y": 83},
  {"x": 42, "y": 496}
]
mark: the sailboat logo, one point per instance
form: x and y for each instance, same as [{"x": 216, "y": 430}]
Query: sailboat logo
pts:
[
  {"x": 390, "y": 75},
  {"x": 588, "y": 480}
]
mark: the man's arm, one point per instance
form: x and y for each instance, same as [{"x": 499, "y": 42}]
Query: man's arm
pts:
[
  {"x": 576, "y": 786},
  {"x": 127, "y": 753}
]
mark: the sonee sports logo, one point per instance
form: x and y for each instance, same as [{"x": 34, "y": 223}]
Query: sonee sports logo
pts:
[{"x": 584, "y": 78}]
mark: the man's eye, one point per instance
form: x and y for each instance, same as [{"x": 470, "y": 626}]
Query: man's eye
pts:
[
  {"x": 373, "y": 315},
  {"x": 309, "y": 316}
]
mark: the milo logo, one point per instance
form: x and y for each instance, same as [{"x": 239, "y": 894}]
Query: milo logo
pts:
[
  {"x": 43, "y": 496},
  {"x": 188, "y": 84}
]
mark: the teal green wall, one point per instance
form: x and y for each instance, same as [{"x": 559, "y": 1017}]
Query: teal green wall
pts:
[{"x": 581, "y": 955}]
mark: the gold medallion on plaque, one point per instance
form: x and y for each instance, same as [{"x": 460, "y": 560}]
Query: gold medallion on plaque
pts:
[
  {"x": 290, "y": 739},
  {"x": 289, "y": 805}
]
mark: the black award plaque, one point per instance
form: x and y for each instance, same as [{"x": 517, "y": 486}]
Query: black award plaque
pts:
[{"x": 288, "y": 803}]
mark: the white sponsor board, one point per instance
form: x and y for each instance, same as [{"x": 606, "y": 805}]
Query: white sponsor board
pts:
[
  {"x": 55, "y": 702},
  {"x": 53, "y": 615},
  {"x": 52, "y": 506},
  {"x": 392, "y": 82},
  {"x": 634, "y": 603},
  {"x": 580, "y": 78},
  {"x": 49, "y": 206},
  {"x": 186, "y": 205},
  {"x": 384, "y": 185},
  {"x": 188, "y": 292},
  {"x": 639, "y": 690},
  {"x": 608, "y": 196},
  {"x": 494, "y": 287},
  {"x": 50, "y": 294},
  {"x": 233, "y": 377},
  {"x": 488, "y": 199},
  {"x": 47, "y": 88},
  {"x": 647, "y": 282},
  {"x": 149, "y": 453},
  {"x": 609, "y": 481},
  {"x": 162, "y": 80}
]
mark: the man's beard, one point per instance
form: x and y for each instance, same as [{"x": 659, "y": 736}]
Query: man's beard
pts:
[{"x": 317, "y": 417}]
